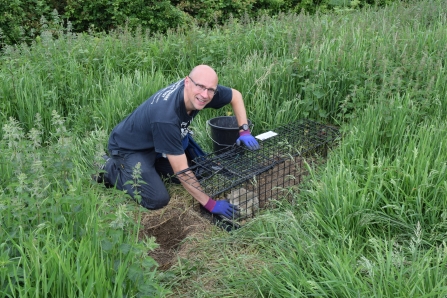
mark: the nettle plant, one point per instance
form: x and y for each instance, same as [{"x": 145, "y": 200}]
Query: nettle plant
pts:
[
  {"x": 30, "y": 170},
  {"x": 57, "y": 231}
]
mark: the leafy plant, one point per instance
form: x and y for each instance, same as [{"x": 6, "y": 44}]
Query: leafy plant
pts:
[{"x": 57, "y": 235}]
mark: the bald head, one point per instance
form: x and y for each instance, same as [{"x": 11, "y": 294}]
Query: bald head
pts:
[{"x": 204, "y": 72}]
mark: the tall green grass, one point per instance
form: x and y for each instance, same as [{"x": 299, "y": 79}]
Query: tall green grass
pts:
[
  {"x": 373, "y": 222},
  {"x": 325, "y": 67},
  {"x": 370, "y": 222},
  {"x": 59, "y": 236}
]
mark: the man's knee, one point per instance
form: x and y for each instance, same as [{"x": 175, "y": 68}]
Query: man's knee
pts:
[{"x": 155, "y": 203}]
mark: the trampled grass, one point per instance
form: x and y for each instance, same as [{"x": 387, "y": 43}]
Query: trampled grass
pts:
[{"x": 371, "y": 222}]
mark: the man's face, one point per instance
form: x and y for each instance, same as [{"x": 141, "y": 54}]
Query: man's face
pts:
[{"x": 199, "y": 91}]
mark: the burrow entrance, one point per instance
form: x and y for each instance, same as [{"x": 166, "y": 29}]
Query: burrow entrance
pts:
[{"x": 171, "y": 226}]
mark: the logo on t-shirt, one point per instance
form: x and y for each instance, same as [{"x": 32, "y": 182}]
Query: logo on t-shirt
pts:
[
  {"x": 166, "y": 93},
  {"x": 184, "y": 128}
]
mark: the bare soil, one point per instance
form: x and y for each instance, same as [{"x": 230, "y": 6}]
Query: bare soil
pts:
[{"x": 171, "y": 226}]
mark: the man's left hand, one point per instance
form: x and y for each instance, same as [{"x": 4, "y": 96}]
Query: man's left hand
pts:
[{"x": 248, "y": 140}]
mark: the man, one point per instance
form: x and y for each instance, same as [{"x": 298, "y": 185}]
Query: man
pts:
[{"x": 158, "y": 130}]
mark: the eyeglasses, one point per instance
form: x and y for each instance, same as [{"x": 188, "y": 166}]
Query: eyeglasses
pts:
[{"x": 211, "y": 91}]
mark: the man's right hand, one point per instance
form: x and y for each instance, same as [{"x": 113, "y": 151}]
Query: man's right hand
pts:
[{"x": 222, "y": 207}]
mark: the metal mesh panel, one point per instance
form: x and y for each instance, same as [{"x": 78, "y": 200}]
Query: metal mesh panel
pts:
[{"x": 252, "y": 179}]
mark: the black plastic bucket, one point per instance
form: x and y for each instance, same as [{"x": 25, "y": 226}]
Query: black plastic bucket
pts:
[{"x": 224, "y": 131}]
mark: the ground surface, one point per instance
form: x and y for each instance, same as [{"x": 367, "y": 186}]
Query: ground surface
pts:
[{"x": 171, "y": 226}]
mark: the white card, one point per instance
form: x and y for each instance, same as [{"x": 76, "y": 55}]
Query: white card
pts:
[{"x": 266, "y": 135}]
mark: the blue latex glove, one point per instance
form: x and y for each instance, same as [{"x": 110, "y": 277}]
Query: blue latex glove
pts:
[
  {"x": 222, "y": 208},
  {"x": 248, "y": 140}
]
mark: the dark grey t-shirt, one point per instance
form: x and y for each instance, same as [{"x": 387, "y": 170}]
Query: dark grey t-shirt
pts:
[{"x": 160, "y": 122}]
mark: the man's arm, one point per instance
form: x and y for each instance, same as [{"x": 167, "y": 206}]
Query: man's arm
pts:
[
  {"x": 188, "y": 179},
  {"x": 237, "y": 103},
  {"x": 192, "y": 185}
]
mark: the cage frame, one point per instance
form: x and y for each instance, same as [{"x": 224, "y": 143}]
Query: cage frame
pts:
[{"x": 288, "y": 147}]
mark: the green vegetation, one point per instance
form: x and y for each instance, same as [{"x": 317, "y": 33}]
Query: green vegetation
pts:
[
  {"x": 369, "y": 222},
  {"x": 24, "y": 20}
]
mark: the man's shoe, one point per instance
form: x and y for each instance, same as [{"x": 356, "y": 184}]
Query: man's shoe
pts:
[{"x": 99, "y": 176}]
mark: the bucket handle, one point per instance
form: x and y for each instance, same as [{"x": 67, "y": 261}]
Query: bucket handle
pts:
[{"x": 223, "y": 145}]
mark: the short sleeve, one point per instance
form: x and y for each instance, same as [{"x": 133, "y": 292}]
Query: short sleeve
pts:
[{"x": 223, "y": 97}]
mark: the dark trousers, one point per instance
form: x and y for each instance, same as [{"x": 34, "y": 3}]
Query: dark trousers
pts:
[
  {"x": 121, "y": 172},
  {"x": 153, "y": 170}
]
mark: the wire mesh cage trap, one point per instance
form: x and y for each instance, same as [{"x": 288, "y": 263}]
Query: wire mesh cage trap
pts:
[{"x": 250, "y": 179}]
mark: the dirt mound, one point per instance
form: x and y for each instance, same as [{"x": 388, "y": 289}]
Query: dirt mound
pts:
[{"x": 171, "y": 226}]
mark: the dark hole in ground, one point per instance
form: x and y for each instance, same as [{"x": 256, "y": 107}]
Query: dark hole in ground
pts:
[{"x": 171, "y": 226}]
